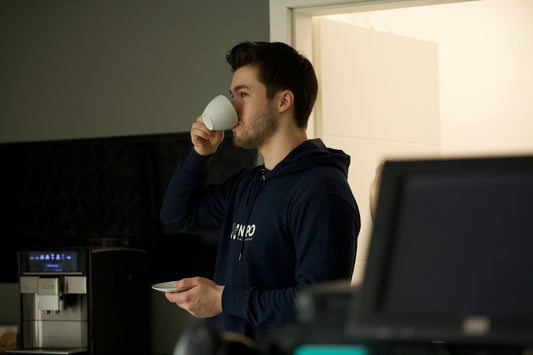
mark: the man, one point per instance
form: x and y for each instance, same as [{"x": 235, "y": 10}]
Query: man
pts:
[{"x": 286, "y": 224}]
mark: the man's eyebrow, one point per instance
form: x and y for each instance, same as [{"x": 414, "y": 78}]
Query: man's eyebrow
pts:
[{"x": 239, "y": 87}]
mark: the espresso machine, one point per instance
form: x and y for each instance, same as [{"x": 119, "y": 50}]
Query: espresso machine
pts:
[{"x": 84, "y": 301}]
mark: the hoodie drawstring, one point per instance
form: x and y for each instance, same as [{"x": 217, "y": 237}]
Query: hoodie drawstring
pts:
[{"x": 252, "y": 195}]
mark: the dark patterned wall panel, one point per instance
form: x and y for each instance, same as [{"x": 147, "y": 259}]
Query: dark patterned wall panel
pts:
[{"x": 86, "y": 192}]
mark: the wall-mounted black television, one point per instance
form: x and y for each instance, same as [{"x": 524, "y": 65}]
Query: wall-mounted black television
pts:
[{"x": 451, "y": 254}]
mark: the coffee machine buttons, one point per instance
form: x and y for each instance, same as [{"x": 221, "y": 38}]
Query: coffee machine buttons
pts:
[
  {"x": 28, "y": 284},
  {"x": 75, "y": 285}
]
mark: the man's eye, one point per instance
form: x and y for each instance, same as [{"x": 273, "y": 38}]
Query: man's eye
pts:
[{"x": 243, "y": 94}]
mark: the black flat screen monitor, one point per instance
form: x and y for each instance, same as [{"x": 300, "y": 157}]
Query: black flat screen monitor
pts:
[{"x": 451, "y": 254}]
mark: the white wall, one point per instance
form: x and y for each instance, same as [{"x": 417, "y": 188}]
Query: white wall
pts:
[
  {"x": 485, "y": 73},
  {"x": 483, "y": 77},
  {"x": 379, "y": 100}
]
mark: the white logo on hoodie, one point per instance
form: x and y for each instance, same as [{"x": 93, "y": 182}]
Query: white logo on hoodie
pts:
[{"x": 241, "y": 231}]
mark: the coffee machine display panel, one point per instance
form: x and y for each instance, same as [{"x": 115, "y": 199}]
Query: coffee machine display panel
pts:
[{"x": 64, "y": 261}]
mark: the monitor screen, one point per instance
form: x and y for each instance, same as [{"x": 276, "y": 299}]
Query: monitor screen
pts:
[{"x": 450, "y": 255}]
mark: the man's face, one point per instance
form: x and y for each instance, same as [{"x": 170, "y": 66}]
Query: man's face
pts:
[{"x": 257, "y": 120}]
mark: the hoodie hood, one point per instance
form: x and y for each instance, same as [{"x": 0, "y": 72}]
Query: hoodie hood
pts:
[{"x": 309, "y": 154}]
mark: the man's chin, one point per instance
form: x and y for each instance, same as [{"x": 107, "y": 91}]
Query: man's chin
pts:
[{"x": 239, "y": 143}]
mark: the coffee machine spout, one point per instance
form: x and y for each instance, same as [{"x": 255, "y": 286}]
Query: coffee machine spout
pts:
[{"x": 50, "y": 293}]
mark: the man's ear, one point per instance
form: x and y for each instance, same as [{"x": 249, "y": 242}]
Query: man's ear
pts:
[{"x": 286, "y": 100}]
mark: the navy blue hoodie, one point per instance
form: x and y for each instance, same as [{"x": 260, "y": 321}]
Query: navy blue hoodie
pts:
[{"x": 281, "y": 230}]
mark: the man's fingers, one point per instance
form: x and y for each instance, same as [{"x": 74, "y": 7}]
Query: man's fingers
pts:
[
  {"x": 200, "y": 130},
  {"x": 186, "y": 282}
]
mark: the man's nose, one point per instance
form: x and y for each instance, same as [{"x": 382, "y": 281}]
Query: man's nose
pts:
[{"x": 236, "y": 106}]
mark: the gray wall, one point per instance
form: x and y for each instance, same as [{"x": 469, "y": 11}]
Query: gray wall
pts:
[
  {"x": 99, "y": 68},
  {"x": 77, "y": 69}
]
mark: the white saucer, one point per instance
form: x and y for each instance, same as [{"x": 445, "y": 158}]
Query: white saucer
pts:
[{"x": 168, "y": 287}]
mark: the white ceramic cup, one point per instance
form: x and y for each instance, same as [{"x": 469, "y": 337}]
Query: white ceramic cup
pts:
[{"x": 219, "y": 114}]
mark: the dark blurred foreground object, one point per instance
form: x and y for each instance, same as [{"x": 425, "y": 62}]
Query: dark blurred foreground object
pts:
[
  {"x": 206, "y": 339},
  {"x": 450, "y": 255},
  {"x": 321, "y": 312}
]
